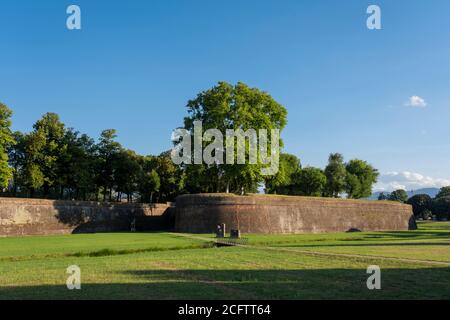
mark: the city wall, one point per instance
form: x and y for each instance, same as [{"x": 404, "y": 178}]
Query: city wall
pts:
[{"x": 286, "y": 215}]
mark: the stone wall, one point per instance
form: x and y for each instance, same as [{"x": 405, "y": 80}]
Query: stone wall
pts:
[
  {"x": 44, "y": 217},
  {"x": 285, "y": 214},
  {"x": 202, "y": 213}
]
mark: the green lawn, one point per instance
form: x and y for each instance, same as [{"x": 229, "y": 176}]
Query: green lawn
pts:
[{"x": 414, "y": 264}]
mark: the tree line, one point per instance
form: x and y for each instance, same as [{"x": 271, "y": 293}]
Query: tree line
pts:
[
  {"x": 353, "y": 179},
  {"x": 53, "y": 161},
  {"x": 240, "y": 107},
  {"x": 424, "y": 206}
]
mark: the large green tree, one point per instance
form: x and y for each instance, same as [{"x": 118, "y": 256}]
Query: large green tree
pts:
[
  {"x": 16, "y": 155},
  {"x": 6, "y": 140},
  {"x": 420, "y": 204},
  {"x": 170, "y": 177},
  {"x": 234, "y": 107},
  {"x": 283, "y": 181},
  {"x": 444, "y": 192},
  {"x": 108, "y": 150},
  {"x": 360, "y": 179},
  {"x": 383, "y": 196},
  {"x": 32, "y": 176},
  {"x": 76, "y": 166},
  {"x": 399, "y": 196},
  {"x": 310, "y": 182},
  {"x": 149, "y": 182},
  {"x": 336, "y": 175},
  {"x": 127, "y": 174},
  {"x": 441, "y": 207},
  {"x": 48, "y": 137}
]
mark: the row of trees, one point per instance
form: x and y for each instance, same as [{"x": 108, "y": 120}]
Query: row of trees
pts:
[
  {"x": 53, "y": 161},
  {"x": 424, "y": 206},
  {"x": 242, "y": 108},
  {"x": 353, "y": 179}
]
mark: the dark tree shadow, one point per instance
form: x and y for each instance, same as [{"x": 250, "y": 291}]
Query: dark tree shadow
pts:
[
  {"x": 382, "y": 244},
  {"x": 93, "y": 217},
  {"x": 408, "y": 283}
]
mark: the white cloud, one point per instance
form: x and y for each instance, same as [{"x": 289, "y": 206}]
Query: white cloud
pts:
[
  {"x": 416, "y": 102},
  {"x": 408, "y": 181}
]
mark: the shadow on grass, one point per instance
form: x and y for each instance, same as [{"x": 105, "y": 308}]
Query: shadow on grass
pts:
[
  {"x": 425, "y": 283},
  {"x": 409, "y": 235},
  {"x": 381, "y": 244}
]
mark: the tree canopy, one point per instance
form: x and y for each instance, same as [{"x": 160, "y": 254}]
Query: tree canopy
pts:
[
  {"x": 6, "y": 140},
  {"x": 54, "y": 161},
  {"x": 360, "y": 178},
  {"x": 444, "y": 192},
  {"x": 310, "y": 182},
  {"x": 399, "y": 196},
  {"x": 283, "y": 182},
  {"x": 420, "y": 204},
  {"x": 336, "y": 175},
  {"x": 232, "y": 107}
]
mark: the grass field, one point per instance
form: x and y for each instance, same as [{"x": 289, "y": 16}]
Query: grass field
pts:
[{"x": 414, "y": 264}]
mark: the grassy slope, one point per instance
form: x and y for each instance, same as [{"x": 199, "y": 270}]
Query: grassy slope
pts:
[{"x": 35, "y": 267}]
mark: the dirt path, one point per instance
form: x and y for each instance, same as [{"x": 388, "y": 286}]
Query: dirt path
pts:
[{"x": 319, "y": 253}]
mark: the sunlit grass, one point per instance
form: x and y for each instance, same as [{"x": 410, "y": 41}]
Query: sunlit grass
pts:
[{"x": 167, "y": 266}]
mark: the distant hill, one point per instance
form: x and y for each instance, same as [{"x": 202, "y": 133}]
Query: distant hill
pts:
[{"x": 432, "y": 192}]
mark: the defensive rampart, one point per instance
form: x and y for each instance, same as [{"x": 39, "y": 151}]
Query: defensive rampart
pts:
[
  {"x": 44, "y": 217},
  {"x": 285, "y": 214}
]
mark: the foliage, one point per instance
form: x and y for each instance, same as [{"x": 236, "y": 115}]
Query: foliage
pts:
[
  {"x": 336, "y": 175},
  {"x": 283, "y": 181},
  {"x": 444, "y": 192},
  {"x": 49, "y": 146},
  {"x": 232, "y": 107},
  {"x": 107, "y": 152},
  {"x": 359, "y": 179},
  {"x": 6, "y": 140},
  {"x": 383, "y": 196},
  {"x": 310, "y": 182},
  {"x": 399, "y": 196},
  {"x": 421, "y": 204},
  {"x": 149, "y": 185},
  {"x": 127, "y": 174},
  {"x": 56, "y": 162},
  {"x": 441, "y": 207},
  {"x": 77, "y": 166}
]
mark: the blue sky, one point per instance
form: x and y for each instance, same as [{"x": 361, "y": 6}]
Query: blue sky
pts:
[{"x": 134, "y": 65}]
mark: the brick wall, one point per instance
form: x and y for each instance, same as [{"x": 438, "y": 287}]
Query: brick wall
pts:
[
  {"x": 283, "y": 214},
  {"x": 44, "y": 217}
]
